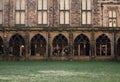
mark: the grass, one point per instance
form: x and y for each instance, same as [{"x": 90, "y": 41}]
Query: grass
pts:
[{"x": 60, "y": 71}]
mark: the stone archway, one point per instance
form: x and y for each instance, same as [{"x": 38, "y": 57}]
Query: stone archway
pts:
[
  {"x": 17, "y": 46},
  {"x": 103, "y": 46},
  {"x": 118, "y": 47},
  {"x": 60, "y": 42},
  {"x": 1, "y": 46},
  {"x": 38, "y": 45},
  {"x": 81, "y": 46}
]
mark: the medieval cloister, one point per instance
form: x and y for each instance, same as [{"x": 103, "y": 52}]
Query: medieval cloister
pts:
[{"x": 44, "y": 29}]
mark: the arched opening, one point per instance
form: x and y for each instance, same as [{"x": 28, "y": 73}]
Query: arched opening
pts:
[
  {"x": 118, "y": 47},
  {"x": 1, "y": 46},
  {"x": 17, "y": 46},
  {"x": 103, "y": 46},
  {"x": 60, "y": 42},
  {"x": 38, "y": 45},
  {"x": 81, "y": 46}
]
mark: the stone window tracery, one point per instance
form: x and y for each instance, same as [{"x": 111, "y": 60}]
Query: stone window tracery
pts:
[
  {"x": 65, "y": 12},
  {"x": 86, "y": 12},
  {"x": 112, "y": 14},
  {"x": 42, "y": 12},
  {"x": 20, "y": 12}
]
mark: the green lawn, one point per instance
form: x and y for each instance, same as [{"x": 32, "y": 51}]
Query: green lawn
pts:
[{"x": 60, "y": 71}]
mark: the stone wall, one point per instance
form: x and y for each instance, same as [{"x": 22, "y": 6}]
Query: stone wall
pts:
[{"x": 99, "y": 12}]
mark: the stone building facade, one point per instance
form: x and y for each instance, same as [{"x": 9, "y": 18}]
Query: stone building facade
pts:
[{"x": 59, "y": 29}]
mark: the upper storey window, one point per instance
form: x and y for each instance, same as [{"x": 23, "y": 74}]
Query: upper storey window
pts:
[
  {"x": 20, "y": 11},
  {"x": 86, "y": 12},
  {"x": 42, "y": 12},
  {"x": 112, "y": 18},
  {"x": 1, "y": 9},
  {"x": 64, "y": 12},
  {"x": 20, "y": 4}
]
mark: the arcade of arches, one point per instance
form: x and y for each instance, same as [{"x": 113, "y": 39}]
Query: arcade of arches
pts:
[{"x": 59, "y": 47}]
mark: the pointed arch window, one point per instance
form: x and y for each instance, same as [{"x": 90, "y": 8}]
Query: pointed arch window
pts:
[
  {"x": 60, "y": 42},
  {"x": 38, "y": 45},
  {"x": 16, "y": 44},
  {"x": 112, "y": 18},
  {"x": 103, "y": 46},
  {"x": 81, "y": 46}
]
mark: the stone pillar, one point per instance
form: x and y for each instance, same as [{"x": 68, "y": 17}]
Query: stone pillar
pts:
[
  {"x": 49, "y": 48},
  {"x": 92, "y": 48},
  {"x": 115, "y": 46},
  {"x": 71, "y": 43},
  {"x": 27, "y": 54},
  {"x": 112, "y": 44},
  {"x": 6, "y": 44},
  {"x": 79, "y": 50}
]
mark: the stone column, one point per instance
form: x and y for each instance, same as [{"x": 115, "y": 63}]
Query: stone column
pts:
[
  {"x": 115, "y": 46},
  {"x": 71, "y": 43},
  {"x": 79, "y": 50},
  {"x": 92, "y": 48},
  {"x": 112, "y": 44},
  {"x": 27, "y": 54},
  {"x": 49, "y": 48},
  {"x": 6, "y": 44}
]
